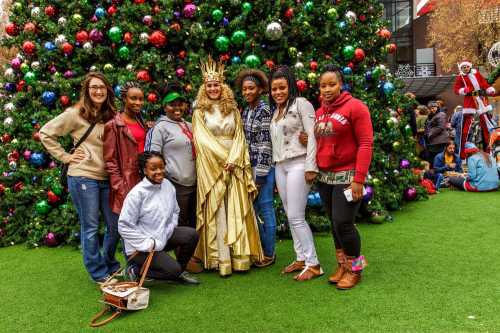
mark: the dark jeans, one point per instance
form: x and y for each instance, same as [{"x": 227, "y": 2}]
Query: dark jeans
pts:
[
  {"x": 342, "y": 214},
  {"x": 186, "y": 199},
  {"x": 163, "y": 266},
  {"x": 263, "y": 205},
  {"x": 90, "y": 198}
]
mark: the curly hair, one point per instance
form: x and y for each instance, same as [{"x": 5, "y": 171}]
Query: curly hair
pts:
[
  {"x": 145, "y": 157},
  {"x": 261, "y": 77},
  {"x": 226, "y": 101},
  {"x": 127, "y": 86}
]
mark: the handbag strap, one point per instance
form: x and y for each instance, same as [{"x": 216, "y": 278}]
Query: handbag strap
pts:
[
  {"x": 145, "y": 267},
  {"x": 84, "y": 136},
  {"x": 94, "y": 323}
]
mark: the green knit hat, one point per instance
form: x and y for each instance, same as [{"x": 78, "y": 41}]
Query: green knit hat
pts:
[{"x": 172, "y": 96}]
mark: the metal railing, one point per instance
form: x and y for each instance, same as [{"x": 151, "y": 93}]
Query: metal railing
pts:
[{"x": 414, "y": 70}]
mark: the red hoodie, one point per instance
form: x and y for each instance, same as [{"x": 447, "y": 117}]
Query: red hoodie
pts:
[{"x": 344, "y": 136}]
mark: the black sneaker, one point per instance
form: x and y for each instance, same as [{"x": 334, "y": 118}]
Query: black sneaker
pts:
[
  {"x": 187, "y": 278},
  {"x": 131, "y": 274}
]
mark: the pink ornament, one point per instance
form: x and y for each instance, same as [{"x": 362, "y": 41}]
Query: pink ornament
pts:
[
  {"x": 27, "y": 155},
  {"x": 410, "y": 194},
  {"x": 52, "y": 69},
  {"x": 52, "y": 165},
  {"x": 16, "y": 63},
  {"x": 189, "y": 10},
  {"x": 404, "y": 164},
  {"x": 68, "y": 74},
  {"x": 96, "y": 36},
  {"x": 180, "y": 72},
  {"x": 147, "y": 20},
  {"x": 51, "y": 239}
]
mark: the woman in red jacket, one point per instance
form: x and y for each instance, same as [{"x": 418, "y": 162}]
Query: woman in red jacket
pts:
[
  {"x": 124, "y": 138},
  {"x": 344, "y": 138}
]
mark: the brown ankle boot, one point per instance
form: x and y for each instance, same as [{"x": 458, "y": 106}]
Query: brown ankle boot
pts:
[
  {"x": 335, "y": 277},
  {"x": 350, "y": 278}
]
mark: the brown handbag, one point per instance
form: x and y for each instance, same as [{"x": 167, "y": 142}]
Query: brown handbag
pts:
[{"x": 125, "y": 295}]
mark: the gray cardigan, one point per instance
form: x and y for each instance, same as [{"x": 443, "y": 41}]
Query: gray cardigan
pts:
[{"x": 285, "y": 133}]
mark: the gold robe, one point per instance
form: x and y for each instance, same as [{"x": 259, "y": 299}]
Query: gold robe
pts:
[{"x": 225, "y": 219}]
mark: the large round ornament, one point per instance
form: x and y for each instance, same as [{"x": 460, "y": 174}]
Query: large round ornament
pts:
[
  {"x": 77, "y": 18},
  {"x": 49, "y": 98},
  {"x": 144, "y": 38},
  {"x": 274, "y": 31},
  {"x": 350, "y": 16},
  {"x": 108, "y": 67},
  {"x": 410, "y": 193},
  {"x": 124, "y": 52},
  {"x": 217, "y": 15},
  {"x": 189, "y": 10},
  {"x": 348, "y": 52},
  {"x": 100, "y": 12},
  {"x": 115, "y": 34},
  {"x": 42, "y": 207},
  {"x": 292, "y": 51},
  {"x": 143, "y": 75},
  {"x": 67, "y": 48},
  {"x": 9, "y": 74},
  {"x": 96, "y": 36},
  {"x": 49, "y": 46},
  {"x": 50, "y": 239},
  {"x": 309, "y": 7},
  {"x": 11, "y": 29},
  {"x": 30, "y": 27},
  {"x": 37, "y": 159},
  {"x": 246, "y": 7},
  {"x": 158, "y": 39},
  {"x": 87, "y": 47},
  {"x": 301, "y": 85},
  {"x": 388, "y": 88},
  {"x": 35, "y": 11},
  {"x": 359, "y": 55},
  {"x": 9, "y": 107},
  {"x": 332, "y": 14},
  {"x": 29, "y": 47},
  {"x": 7, "y": 122},
  {"x": 252, "y": 61},
  {"x": 30, "y": 78},
  {"x": 222, "y": 43},
  {"x": 62, "y": 21},
  {"x": 16, "y": 63},
  {"x": 238, "y": 37}
]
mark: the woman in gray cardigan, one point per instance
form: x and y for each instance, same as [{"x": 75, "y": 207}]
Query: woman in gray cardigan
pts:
[{"x": 295, "y": 166}]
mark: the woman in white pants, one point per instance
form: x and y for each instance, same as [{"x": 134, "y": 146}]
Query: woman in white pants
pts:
[{"x": 295, "y": 166}]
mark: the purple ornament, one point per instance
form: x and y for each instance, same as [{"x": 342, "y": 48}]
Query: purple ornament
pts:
[
  {"x": 177, "y": 14},
  {"x": 68, "y": 74},
  {"x": 189, "y": 10},
  {"x": 52, "y": 69},
  {"x": 27, "y": 155},
  {"x": 96, "y": 36},
  {"x": 16, "y": 63},
  {"x": 369, "y": 194},
  {"x": 10, "y": 87},
  {"x": 52, "y": 165},
  {"x": 410, "y": 194},
  {"x": 225, "y": 22},
  {"x": 51, "y": 239},
  {"x": 180, "y": 72},
  {"x": 93, "y": 19},
  {"x": 404, "y": 164}
]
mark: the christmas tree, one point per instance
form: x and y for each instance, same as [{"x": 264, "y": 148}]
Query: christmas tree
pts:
[{"x": 160, "y": 42}]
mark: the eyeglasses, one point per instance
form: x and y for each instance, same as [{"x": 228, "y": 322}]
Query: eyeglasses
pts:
[{"x": 96, "y": 88}]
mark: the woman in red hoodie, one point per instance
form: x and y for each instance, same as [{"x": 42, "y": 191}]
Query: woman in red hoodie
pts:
[{"x": 344, "y": 136}]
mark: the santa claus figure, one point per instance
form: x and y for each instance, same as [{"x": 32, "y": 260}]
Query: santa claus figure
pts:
[{"x": 472, "y": 85}]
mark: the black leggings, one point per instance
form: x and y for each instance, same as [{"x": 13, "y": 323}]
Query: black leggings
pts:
[{"x": 342, "y": 214}]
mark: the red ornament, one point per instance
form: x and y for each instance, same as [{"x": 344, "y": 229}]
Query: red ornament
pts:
[
  {"x": 29, "y": 47},
  {"x": 52, "y": 197},
  {"x": 359, "y": 55},
  {"x": 175, "y": 26},
  {"x": 67, "y": 48},
  {"x": 51, "y": 239},
  {"x": 152, "y": 98},
  {"x": 36, "y": 136},
  {"x": 156, "y": 9},
  {"x": 2, "y": 188},
  {"x": 20, "y": 85},
  {"x": 391, "y": 48},
  {"x": 30, "y": 27},
  {"x": 224, "y": 57},
  {"x": 11, "y": 29},
  {"x": 6, "y": 138},
  {"x": 18, "y": 187},
  {"x": 302, "y": 85},
  {"x": 313, "y": 65},
  {"x": 158, "y": 39},
  {"x": 50, "y": 10},
  {"x": 64, "y": 100},
  {"x": 82, "y": 36},
  {"x": 112, "y": 10},
  {"x": 143, "y": 75},
  {"x": 270, "y": 64},
  {"x": 138, "y": 1},
  {"x": 182, "y": 54},
  {"x": 289, "y": 13},
  {"x": 362, "y": 17},
  {"x": 13, "y": 156},
  {"x": 384, "y": 33},
  {"x": 127, "y": 37},
  {"x": 350, "y": 65}
]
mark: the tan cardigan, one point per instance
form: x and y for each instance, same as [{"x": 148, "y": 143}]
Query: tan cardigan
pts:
[{"x": 72, "y": 123}]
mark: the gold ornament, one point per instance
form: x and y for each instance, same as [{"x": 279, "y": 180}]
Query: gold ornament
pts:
[{"x": 212, "y": 71}]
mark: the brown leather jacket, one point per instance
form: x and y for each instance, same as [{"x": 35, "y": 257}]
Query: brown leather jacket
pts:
[{"x": 121, "y": 158}]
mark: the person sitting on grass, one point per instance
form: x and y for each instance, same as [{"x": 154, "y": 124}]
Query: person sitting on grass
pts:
[
  {"x": 446, "y": 161},
  {"x": 148, "y": 221},
  {"x": 482, "y": 174}
]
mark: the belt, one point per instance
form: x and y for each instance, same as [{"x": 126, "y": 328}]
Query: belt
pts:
[{"x": 336, "y": 178}]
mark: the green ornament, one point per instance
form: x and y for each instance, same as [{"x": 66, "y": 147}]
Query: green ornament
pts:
[
  {"x": 292, "y": 51},
  {"x": 42, "y": 207},
  {"x": 396, "y": 145},
  {"x": 309, "y": 6},
  {"x": 196, "y": 28},
  {"x": 252, "y": 61},
  {"x": 57, "y": 188},
  {"x": 246, "y": 7},
  {"x": 376, "y": 72},
  {"x": 348, "y": 52},
  {"x": 332, "y": 14},
  {"x": 30, "y": 78},
  {"x": 77, "y": 18},
  {"x": 222, "y": 43},
  {"x": 408, "y": 130},
  {"x": 124, "y": 52},
  {"x": 312, "y": 77},
  {"x": 48, "y": 181},
  {"x": 108, "y": 68},
  {"x": 25, "y": 68},
  {"x": 115, "y": 34},
  {"x": 17, "y": 7},
  {"x": 217, "y": 15},
  {"x": 376, "y": 181},
  {"x": 238, "y": 37}
]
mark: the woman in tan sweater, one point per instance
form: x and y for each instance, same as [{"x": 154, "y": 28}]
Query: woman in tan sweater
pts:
[{"x": 87, "y": 177}]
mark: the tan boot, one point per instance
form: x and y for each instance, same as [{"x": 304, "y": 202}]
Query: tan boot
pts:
[
  {"x": 335, "y": 277},
  {"x": 350, "y": 278}
]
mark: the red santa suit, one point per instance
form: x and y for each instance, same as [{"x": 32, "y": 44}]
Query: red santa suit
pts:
[{"x": 470, "y": 85}]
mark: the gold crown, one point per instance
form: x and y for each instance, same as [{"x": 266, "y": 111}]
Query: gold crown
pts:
[{"x": 212, "y": 71}]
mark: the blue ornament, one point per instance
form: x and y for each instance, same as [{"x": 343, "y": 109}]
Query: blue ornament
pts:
[
  {"x": 48, "y": 98},
  {"x": 346, "y": 87},
  {"x": 368, "y": 76},
  {"x": 313, "y": 199},
  {"x": 37, "y": 159},
  {"x": 236, "y": 60},
  {"x": 10, "y": 87},
  {"x": 49, "y": 46},
  {"x": 388, "y": 88},
  {"x": 347, "y": 70},
  {"x": 117, "y": 90},
  {"x": 225, "y": 22},
  {"x": 34, "y": 179},
  {"x": 341, "y": 25},
  {"x": 100, "y": 12}
]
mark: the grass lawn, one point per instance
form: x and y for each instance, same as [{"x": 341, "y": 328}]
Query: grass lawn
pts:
[{"x": 435, "y": 269}]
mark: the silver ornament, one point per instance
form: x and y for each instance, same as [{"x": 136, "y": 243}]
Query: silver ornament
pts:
[
  {"x": 93, "y": 68},
  {"x": 20, "y": 56},
  {"x": 35, "y": 65},
  {"x": 274, "y": 31},
  {"x": 62, "y": 21},
  {"x": 87, "y": 46},
  {"x": 9, "y": 74},
  {"x": 60, "y": 40},
  {"x": 8, "y": 122},
  {"x": 35, "y": 12},
  {"x": 13, "y": 165},
  {"x": 351, "y": 16},
  {"x": 129, "y": 67},
  {"x": 144, "y": 38},
  {"x": 9, "y": 107},
  {"x": 299, "y": 65}
]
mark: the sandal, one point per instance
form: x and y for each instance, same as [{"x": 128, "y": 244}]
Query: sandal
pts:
[
  {"x": 294, "y": 267},
  {"x": 267, "y": 261},
  {"x": 309, "y": 273}
]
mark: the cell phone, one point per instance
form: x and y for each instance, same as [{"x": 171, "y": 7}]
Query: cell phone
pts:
[{"x": 348, "y": 194}]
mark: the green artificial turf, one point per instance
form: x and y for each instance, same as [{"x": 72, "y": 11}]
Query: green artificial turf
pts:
[{"x": 434, "y": 269}]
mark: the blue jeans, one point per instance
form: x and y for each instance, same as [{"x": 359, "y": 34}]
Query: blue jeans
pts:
[
  {"x": 263, "y": 205},
  {"x": 89, "y": 197}
]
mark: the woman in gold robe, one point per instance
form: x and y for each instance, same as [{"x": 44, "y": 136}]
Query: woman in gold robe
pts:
[{"x": 225, "y": 219}]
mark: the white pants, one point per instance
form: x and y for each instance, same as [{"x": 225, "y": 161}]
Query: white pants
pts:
[{"x": 293, "y": 190}]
